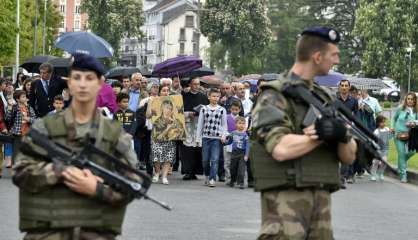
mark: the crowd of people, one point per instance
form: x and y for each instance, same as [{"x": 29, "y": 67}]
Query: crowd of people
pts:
[
  {"x": 217, "y": 123},
  {"x": 215, "y": 138},
  {"x": 367, "y": 109}
]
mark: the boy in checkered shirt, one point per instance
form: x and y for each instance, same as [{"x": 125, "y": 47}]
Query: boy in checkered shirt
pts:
[{"x": 212, "y": 128}]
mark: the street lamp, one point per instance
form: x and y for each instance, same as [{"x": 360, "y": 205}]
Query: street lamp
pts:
[{"x": 409, "y": 51}]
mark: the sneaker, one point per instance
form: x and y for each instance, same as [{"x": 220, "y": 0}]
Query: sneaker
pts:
[
  {"x": 404, "y": 180},
  {"x": 193, "y": 177},
  {"x": 155, "y": 179},
  {"x": 187, "y": 177},
  {"x": 350, "y": 180},
  {"x": 343, "y": 184},
  {"x": 373, "y": 178},
  {"x": 231, "y": 184},
  {"x": 206, "y": 180},
  {"x": 212, "y": 183},
  {"x": 381, "y": 177},
  {"x": 165, "y": 181},
  {"x": 241, "y": 186}
]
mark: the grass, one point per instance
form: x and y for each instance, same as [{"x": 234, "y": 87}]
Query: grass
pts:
[{"x": 393, "y": 157}]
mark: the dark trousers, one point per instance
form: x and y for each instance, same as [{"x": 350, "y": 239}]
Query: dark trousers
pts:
[
  {"x": 221, "y": 162},
  {"x": 237, "y": 167},
  {"x": 144, "y": 155},
  {"x": 191, "y": 160},
  {"x": 346, "y": 171},
  {"x": 249, "y": 172}
]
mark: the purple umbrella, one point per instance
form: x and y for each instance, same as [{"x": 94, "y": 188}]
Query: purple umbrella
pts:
[
  {"x": 331, "y": 79},
  {"x": 178, "y": 66}
]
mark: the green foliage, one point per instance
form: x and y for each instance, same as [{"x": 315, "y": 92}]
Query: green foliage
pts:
[
  {"x": 114, "y": 19},
  {"x": 290, "y": 17},
  {"x": 8, "y": 29},
  {"x": 386, "y": 27},
  {"x": 240, "y": 28}
]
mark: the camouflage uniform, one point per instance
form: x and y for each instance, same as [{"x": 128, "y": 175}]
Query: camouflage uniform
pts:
[
  {"x": 35, "y": 176},
  {"x": 295, "y": 194}
]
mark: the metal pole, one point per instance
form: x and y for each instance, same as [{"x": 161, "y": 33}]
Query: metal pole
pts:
[
  {"x": 35, "y": 32},
  {"x": 44, "y": 29},
  {"x": 409, "y": 71},
  {"x": 17, "y": 37}
]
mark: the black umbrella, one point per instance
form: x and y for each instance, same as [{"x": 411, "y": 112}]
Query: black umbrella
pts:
[
  {"x": 145, "y": 72},
  {"x": 32, "y": 64},
  {"x": 61, "y": 66},
  {"x": 121, "y": 72},
  {"x": 201, "y": 72}
]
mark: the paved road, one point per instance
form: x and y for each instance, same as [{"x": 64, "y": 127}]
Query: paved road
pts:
[{"x": 381, "y": 211}]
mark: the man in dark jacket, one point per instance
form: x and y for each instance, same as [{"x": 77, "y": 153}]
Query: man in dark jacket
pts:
[{"x": 44, "y": 90}]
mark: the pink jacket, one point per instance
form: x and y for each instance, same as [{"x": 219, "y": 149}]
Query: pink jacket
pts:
[{"x": 107, "y": 98}]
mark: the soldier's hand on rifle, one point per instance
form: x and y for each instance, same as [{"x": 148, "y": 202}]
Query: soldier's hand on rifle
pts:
[
  {"x": 311, "y": 132},
  {"x": 331, "y": 130},
  {"x": 81, "y": 181}
]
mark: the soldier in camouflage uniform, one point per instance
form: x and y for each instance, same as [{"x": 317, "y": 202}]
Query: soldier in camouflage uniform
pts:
[
  {"x": 63, "y": 202},
  {"x": 296, "y": 167}
]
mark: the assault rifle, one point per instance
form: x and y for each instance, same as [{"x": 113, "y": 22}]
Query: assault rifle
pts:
[
  {"x": 63, "y": 155},
  {"x": 367, "y": 141}
]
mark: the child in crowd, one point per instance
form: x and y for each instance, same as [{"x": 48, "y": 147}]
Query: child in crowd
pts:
[
  {"x": 212, "y": 127},
  {"x": 383, "y": 134},
  {"x": 20, "y": 116},
  {"x": 124, "y": 115},
  {"x": 234, "y": 109},
  {"x": 58, "y": 104},
  {"x": 117, "y": 87},
  {"x": 240, "y": 150}
]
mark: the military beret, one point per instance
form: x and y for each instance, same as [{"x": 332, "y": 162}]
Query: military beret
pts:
[
  {"x": 328, "y": 34},
  {"x": 87, "y": 62}
]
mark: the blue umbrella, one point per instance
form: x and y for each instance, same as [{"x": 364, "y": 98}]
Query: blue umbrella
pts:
[
  {"x": 330, "y": 80},
  {"x": 178, "y": 66},
  {"x": 84, "y": 42}
]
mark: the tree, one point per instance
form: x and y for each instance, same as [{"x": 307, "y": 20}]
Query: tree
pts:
[
  {"x": 289, "y": 18},
  {"x": 239, "y": 27},
  {"x": 114, "y": 19},
  {"x": 8, "y": 29},
  {"x": 386, "y": 28}
]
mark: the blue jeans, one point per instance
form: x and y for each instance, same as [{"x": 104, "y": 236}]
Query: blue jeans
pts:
[{"x": 210, "y": 156}]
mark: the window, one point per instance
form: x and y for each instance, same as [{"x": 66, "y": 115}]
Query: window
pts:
[
  {"x": 196, "y": 37},
  {"x": 62, "y": 8},
  {"x": 190, "y": 21},
  {"x": 182, "y": 34},
  {"x": 77, "y": 24},
  {"x": 196, "y": 49},
  {"x": 62, "y": 24},
  {"x": 77, "y": 9},
  {"x": 181, "y": 52}
]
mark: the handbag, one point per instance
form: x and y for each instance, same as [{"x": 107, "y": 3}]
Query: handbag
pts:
[{"x": 403, "y": 136}]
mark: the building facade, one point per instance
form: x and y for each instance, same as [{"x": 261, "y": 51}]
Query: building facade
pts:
[
  {"x": 171, "y": 29},
  {"x": 73, "y": 20}
]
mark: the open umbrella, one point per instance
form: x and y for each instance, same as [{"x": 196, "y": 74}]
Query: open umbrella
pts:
[
  {"x": 211, "y": 80},
  {"x": 367, "y": 83},
  {"x": 121, "y": 72},
  {"x": 32, "y": 64},
  {"x": 84, "y": 42},
  {"x": 330, "y": 80},
  {"x": 61, "y": 66},
  {"x": 178, "y": 66},
  {"x": 249, "y": 77},
  {"x": 200, "y": 72}
]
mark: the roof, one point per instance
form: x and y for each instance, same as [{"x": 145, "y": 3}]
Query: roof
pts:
[
  {"x": 174, "y": 13},
  {"x": 161, "y": 4}
]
